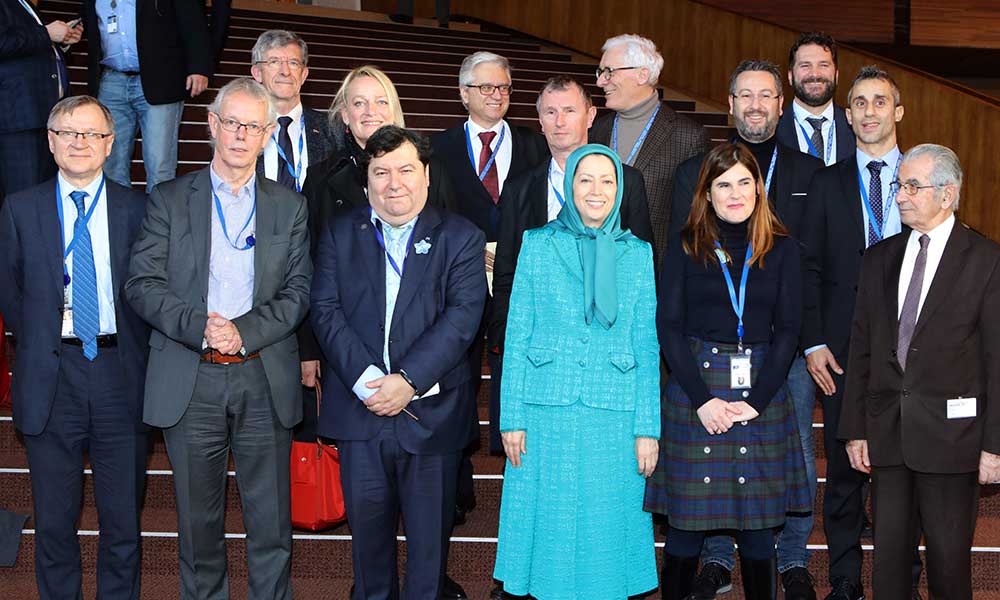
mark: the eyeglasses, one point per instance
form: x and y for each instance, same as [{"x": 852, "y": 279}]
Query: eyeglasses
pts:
[
  {"x": 294, "y": 64},
  {"x": 232, "y": 126},
  {"x": 607, "y": 72},
  {"x": 88, "y": 136},
  {"x": 487, "y": 89},
  {"x": 747, "y": 97},
  {"x": 911, "y": 189}
]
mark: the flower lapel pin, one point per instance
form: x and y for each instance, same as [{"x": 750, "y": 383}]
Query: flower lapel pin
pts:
[{"x": 423, "y": 246}]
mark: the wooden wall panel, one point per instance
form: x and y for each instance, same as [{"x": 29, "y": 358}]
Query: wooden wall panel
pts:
[
  {"x": 955, "y": 23},
  {"x": 846, "y": 20}
]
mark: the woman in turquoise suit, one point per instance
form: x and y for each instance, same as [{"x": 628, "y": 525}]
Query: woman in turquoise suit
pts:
[{"x": 580, "y": 410}]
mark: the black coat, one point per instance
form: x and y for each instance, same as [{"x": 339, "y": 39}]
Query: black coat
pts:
[{"x": 29, "y": 77}]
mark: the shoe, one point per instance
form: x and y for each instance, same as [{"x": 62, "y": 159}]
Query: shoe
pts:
[
  {"x": 798, "y": 584},
  {"x": 916, "y": 594},
  {"x": 677, "y": 576},
  {"x": 460, "y": 516},
  {"x": 844, "y": 589},
  {"x": 401, "y": 18},
  {"x": 497, "y": 592},
  {"x": 450, "y": 590},
  {"x": 760, "y": 578},
  {"x": 713, "y": 580}
]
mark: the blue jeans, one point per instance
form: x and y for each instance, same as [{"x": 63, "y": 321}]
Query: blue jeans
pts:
[
  {"x": 792, "y": 539},
  {"x": 159, "y": 124}
]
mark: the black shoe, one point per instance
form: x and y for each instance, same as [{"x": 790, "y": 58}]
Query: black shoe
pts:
[
  {"x": 713, "y": 580},
  {"x": 676, "y": 576},
  {"x": 497, "y": 592},
  {"x": 798, "y": 584},
  {"x": 916, "y": 594},
  {"x": 844, "y": 589},
  {"x": 450, "y": 590},
  {"x": 760, "y": 578},
  {"x": 400, "y": 18}
]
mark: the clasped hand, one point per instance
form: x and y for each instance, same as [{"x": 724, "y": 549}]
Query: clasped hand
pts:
[
  {"x": 221, "y": 334},
  {"x": 393, "y": 394},
  {"x": 717, "y": 415}
]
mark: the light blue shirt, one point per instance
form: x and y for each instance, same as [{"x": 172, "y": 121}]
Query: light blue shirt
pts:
[
  {"x": 891, "y": 223},
  {"x": 99, "y": 237},
  {"x": 230, "y": 271},
  {"x": 121, "y": 52}
]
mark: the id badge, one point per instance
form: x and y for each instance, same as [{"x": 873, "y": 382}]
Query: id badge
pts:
[
  {"x": 113, "y": 24},
  {"x": 67, "y": 322},
  {"x": 739, "y": 372}
]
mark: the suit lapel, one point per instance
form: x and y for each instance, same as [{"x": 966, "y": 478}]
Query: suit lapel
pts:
[
  {"x": 659, "y": 133},
  {"x": 117, "y": 237},
  {"x": 845, "y": 135},
  {"x": 781, "y": 192},
  {"x": 945, "y": 275},
  {"x": 893, "y": 265},
  {"x": 372, "y": 257},
  {"x": 315, "y": 139},
  {"x": 852, "y": 197},
  {"x": 538, "y": 199},
  {"x": 200, "y": 221},
  {"x": 263, "y": 235},
  {"x": 50, "y": 228},
  {"x": 415, "y": 266}
]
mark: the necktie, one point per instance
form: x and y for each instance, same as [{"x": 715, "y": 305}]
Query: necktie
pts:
[
  {"x": 285, "y": 177},
  {"x": 908, "y": 316},
  {"x": 817, "y": 135},
  {"x": 492, "y": 181},
  {"x": 86, "y": 315},
  {"x": 875, "y": 198}
]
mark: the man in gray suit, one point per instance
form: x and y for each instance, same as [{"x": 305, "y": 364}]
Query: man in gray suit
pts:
[{"x": 221, "y": 270}]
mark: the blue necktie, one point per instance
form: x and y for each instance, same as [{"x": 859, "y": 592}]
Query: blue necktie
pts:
[
  {"x": 86, "y": 314},
  {"x": 875, "y": 197}
]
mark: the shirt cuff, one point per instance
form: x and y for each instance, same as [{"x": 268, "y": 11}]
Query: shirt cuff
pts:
[
  {"x": 369, "y": 374},
  {"x": 812, "y": 349}
]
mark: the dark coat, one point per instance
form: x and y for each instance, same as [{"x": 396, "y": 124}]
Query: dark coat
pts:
[{"x": 29, "y": 77}]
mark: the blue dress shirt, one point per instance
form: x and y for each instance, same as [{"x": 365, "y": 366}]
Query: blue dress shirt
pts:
[
  {"x": 121, "y": 52},
  {"x": 230, "y": 271}
]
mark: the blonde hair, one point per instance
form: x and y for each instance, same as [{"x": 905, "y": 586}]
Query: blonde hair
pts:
[{"x": 340, "y": 100}]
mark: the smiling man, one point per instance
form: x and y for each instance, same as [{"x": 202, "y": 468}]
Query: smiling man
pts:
[
  {"x": 221, "y": 271},
  {"x": 396, "y": 302}
]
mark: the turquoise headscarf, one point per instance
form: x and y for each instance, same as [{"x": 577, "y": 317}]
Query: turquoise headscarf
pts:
[{"x": 596, "y": 245}]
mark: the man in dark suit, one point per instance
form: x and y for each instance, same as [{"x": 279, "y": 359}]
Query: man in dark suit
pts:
[
  {"x": 646, "y": 133},
  {"x": 396, "y": 301},
  {"x": 78, "y": 379},
  {"x": 851, "y": 207},
  {"x": 922, "y": 408},
  {"x": 755, "y": 104},
  {"x": 815, "y": 125},
  {"x": 33, "y": 72},
  {"x": 144, "y": 58},
  {"x": 221, "y": 271}
]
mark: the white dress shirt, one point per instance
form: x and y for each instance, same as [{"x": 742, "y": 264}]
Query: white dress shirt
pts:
[
  {"x": 935, "y": 249},
  {"x": 295, "y": 132},
  {"x": 828, "y": 128},
  {"x": 891, "y": 223},
  {"x": 99, "y": 239},
  {"x": 555, "y": 182},
  {"x": 503, "y": 153}
]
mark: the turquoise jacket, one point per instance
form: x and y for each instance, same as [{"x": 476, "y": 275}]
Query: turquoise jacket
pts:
[{"x": 553, "y": 357}]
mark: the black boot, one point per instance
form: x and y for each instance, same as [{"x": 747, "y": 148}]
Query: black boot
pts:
[
  {"x": 760, "y": 578},
  {"x": 676, "y": 576}
]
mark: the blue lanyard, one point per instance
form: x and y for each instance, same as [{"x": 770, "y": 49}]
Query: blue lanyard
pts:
[
  {"x": 740, "y": 304},
  {"x": 250, "y": 241},
  {"x": 829, "y": 141},
  {"x": 770, "y": 170},
  {"x": 493, "y": 156},
  {"x": 83, "y": 225},
  {"x": 555, "y": 191},
  {"x": 638, "y": 141},
  {"x": 888, "y": 203},
  {"x": 398, "y": 268},
  {"x": 281, "y": 153}
]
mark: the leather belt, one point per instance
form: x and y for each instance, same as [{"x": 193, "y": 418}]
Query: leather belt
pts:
[
  {"x": 103, "y": 341},
  {"x": 217, "y": 358}
]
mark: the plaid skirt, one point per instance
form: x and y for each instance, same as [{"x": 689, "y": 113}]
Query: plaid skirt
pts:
[{"x": 746, "y": 478}]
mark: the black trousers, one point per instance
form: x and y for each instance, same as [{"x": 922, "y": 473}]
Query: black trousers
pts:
[{"x": 945, "y": 506}]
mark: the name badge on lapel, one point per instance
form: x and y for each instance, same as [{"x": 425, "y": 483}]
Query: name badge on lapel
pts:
[
  {"x": 739, "y": 372},
  {"x": 961, "y": 408}
]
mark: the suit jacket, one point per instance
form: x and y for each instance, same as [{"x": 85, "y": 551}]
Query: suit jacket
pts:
[
  {"x": 524, "y": 206},
  {"x": 553, "y": 357},
  {"x": 172, "y": 40},
  {"x": 788, "y": 195},
  {"x": 953, "y": 354},
  {"x": 29, "y": 76},
  {"x": 671, "y": 140},
  {"x": 471, "y": 199},
  {"x": 437, "y": 313},
  {"x": 168, "y": 287},
  {"x": 31, "y": 296},
  {"x": 845, "y": 135},
  {"x": 319, "y": 143}
]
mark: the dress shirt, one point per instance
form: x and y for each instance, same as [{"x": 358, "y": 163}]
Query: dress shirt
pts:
[
  {"x": 99, "y": 240},
  {"x": 121, "y": 52},
  {"x": 556, "y": 178},
  {"x": 935, "y": 249},
  {"x": 503, "y": 153},
  {"x": 295, "y": 130},
  {"x": 891, "y": 223},
  {"x": 230, "y": 271},
  {"x": 827, "y": 128}
]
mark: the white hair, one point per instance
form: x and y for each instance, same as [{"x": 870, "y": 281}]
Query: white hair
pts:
[
  {"x": 947, "y": 170},
  {"x": 639, "y": 52},
  {"x": 245, "y": 85},
  {"x": 477, "y": 58}
]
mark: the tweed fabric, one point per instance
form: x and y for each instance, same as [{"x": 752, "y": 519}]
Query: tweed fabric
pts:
[{"x": 746, "y": 478}]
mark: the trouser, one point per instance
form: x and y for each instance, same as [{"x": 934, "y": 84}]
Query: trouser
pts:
[{"x": 755, "y": 544}]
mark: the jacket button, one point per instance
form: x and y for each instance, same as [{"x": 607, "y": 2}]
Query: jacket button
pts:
[
  {"x": 743, "y": 423},
  {"x": 584, "y": 340},
  {"x": 906, "y": 393},
  {"x": 715, "y": 350},
  {"x": 706, "y": 364},
  {"x": 748, "y": 351},
  {"x": 54, "y": 76},
  {"x": 583, "y": 363},
  {"x": 746, "y": 394},
  {"x": 707, "y": 480}
]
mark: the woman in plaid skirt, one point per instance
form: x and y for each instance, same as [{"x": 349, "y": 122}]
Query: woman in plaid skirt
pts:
[{"x": 728, "y": 320}]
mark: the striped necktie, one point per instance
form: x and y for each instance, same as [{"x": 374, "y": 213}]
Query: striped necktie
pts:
[{"x": 86, "y": 314}]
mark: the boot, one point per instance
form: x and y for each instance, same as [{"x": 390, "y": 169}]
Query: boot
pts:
[
  {"x": 760, "y": 578},
  {"x": 676, "y": 576}
]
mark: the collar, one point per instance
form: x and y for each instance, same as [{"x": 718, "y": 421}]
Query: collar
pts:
[
  {"x": 295, "y": 114},
  {"x": 889, "y": 158},
  {"x": 555, "y": 169},
  {"x": 801, "y": 113},
  {"x": 91, "y": 188},
  {"x": 475, "y": 130},
  {"x": 221, "y": 186},
  {"x": 375, "y": 219},
  {"x": 938, "y": 235}
]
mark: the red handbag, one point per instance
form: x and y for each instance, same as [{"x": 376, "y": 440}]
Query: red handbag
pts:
[{"x": 317, "y": 496}]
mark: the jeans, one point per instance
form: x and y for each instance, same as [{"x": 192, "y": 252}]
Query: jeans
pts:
[
  {"x": 159, "y": 124},
  {"x": 792, "y": 539}
]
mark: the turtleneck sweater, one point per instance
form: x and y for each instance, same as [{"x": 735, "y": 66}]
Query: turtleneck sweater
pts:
[
  {"x": 762, "y": 151},
  {"x": 733, "y": 239},
  {"x": 632, "y": 121}
]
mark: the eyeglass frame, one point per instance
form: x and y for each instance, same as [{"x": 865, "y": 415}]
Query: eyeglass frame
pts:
[
  {"x": 88, "y": 136},
  {"x": 906, "y": 186},
  {"x": 481, "y": 86},
  {"x": 608, "y": 72},
  {"x": 241, "y": 124},
  {"x": 277, "y": 62}
]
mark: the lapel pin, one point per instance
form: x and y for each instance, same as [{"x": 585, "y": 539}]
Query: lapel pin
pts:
[
  {"x": 251, "y": 241},
  {"x": 363, "y": 225},
  {"x": 423, "y": 246}
]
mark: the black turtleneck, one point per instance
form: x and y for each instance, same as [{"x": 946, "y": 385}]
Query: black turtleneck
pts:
[
  {"x": 733, "y": 239},
  {"x": 762, "y": 151}
]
